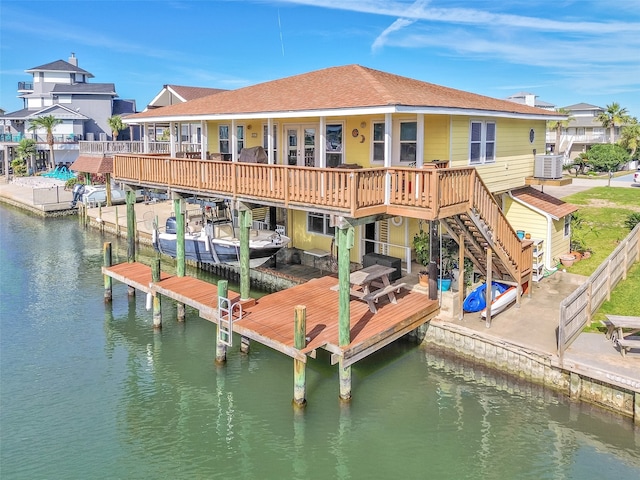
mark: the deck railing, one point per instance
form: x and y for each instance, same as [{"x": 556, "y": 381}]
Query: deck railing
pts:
[
  {"x": 504, "y": 237},
  {"x": 351, "y": 192},
  {"x": 422, "y": 192}
]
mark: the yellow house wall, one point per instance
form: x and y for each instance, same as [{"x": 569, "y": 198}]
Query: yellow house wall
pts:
[
  {"x": 559, "y": 243},
  {"x": 524, "y": 218},
  {"x": 514, "y": 153},
  {"x": 357, "y": 149}
]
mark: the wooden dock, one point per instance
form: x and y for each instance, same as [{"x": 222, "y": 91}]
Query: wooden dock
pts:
[{"x": 270, "y": 319}]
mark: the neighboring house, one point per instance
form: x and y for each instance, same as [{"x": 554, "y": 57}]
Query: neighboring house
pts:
[
  {"x": 531, "y": 99},
  {"x": 583, "y": 130},
  {"x": 171, "y": 95},
  {"x": 392, "y": 131},
  {"x": 62, "y": 89}
]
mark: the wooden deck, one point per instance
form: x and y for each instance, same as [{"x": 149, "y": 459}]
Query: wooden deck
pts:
[{"x": 270, "y": 319}]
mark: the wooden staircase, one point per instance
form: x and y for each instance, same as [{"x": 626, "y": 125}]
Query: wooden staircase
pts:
[{"x": 483, "y": 228}]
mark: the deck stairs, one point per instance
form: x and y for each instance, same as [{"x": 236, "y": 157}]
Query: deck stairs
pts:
[{"x": 485, "y": 226}]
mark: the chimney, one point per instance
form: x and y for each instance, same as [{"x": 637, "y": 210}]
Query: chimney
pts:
[{"x": 73, "y": 60}]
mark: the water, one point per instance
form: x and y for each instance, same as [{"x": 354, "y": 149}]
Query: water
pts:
[{"x": 90, "y": 391}]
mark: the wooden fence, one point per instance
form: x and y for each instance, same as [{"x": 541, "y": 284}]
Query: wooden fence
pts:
[{"x": 578, "y": 308}]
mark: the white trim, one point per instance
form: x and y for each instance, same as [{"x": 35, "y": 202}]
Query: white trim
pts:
[{"x": 346, "y": 112}]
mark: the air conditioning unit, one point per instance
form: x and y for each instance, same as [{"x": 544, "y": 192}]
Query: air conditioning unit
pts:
[
  {"x": 548, "y": 166},
  {"x": 103, "y": 137},
  {"x": 90, "y": 137}
]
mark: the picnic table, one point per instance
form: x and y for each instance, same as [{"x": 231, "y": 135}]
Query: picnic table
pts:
[
  {"x": 623, "y": 331},
  {"x": 371, "y": 283}
]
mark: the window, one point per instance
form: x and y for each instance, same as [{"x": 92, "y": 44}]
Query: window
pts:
[
  {"x": 334, "y": 145},
  {"x": 482, "y": 142},
  {"x": 567, "y": 226},
  {"x": 240, "y": 135},
  {"x": 378, "y": 142},
  {"x": 408, "y": 141},
  {"x": 223, "y": 136},
  {"x": 319, "y": 223},
  {"x": 265, "y": 140}
]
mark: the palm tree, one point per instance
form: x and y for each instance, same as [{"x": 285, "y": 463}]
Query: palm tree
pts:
[
  {"x": 630, "y": 138},
  {"x": 47, "y": 123},
  {"x": 558, "y": 125},
  {"x": 116, "y": 125},
  {"x": 613, "y": 115},
  {"x": 25, "y": 151}
]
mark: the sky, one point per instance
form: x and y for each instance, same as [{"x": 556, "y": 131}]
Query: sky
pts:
[{"x": 563, "y": 51}]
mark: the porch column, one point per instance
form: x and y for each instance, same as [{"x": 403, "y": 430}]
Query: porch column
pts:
[
  {"x": 323, "y": 142},
  {"x": 234, "y": 141},
  {"x": 172, "y": 139},
  {"x": 419, "y": 140},
  {"x": 204, "y": 139},
  {"x": 145, "y": 138},
  {"x": 344, "y": 240},
  {"x": 271, "y": 160},
  {"x": 387, "y": 156},
  {"x": 245, "y": 221}
]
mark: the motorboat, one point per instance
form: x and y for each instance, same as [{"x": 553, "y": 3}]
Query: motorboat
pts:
[{"x": 216, "y": 240}]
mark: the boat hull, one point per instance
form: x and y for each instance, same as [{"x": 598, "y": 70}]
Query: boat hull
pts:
[{"x": 200, "y": 249}]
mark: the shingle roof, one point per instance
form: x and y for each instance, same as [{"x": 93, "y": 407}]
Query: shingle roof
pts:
[
  {"x": 95, "y": 164},
  {"x": 191, "y": 93},
  {"x": 345, "y": 87},
  {"x": 542, "y": 201},
  {"x": 106, "y": 88},
  {"x": 59, "y": 66}
]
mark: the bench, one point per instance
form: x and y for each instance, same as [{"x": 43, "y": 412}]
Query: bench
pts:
[
  {"x": 625, "y": 340},
  {"x": 390, "y": 290}
]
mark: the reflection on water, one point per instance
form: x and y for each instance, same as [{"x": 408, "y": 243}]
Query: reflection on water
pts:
[{"x": 92, "y": 391}]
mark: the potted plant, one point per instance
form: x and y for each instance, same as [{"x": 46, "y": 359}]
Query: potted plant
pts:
[
  {"x": 448, "y": 261},
  {"x": 421, "y": 246}
]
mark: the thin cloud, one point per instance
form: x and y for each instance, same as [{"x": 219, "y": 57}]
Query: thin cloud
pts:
[{"x": 468, "y": 16}]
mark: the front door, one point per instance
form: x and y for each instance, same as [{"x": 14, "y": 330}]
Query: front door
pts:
[{"x": 301, "y": 145}]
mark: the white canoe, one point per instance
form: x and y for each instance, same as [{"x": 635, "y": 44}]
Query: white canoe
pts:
[{"x": 502, "y": 301}]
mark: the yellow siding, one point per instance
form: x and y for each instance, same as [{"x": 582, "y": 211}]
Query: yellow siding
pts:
[
  {"x": 523, "y": 218},
  {"x": 559, "y": 244},
  {"x": 436, "y": 138},
  {"x": 512, "y": 138}
]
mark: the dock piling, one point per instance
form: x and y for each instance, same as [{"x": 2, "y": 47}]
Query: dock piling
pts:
[
  {"x": 157, "y": 303},
  {"x": 221, "y": 348},
  {"x": 299, "y": 367},
  {"x": 107, "y": 260}
]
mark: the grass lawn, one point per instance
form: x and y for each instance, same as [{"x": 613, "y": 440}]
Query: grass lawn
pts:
[{"x": 603, "y": 211}]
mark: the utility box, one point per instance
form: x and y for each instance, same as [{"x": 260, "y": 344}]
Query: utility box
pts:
[{"x": 385, "y": 260}]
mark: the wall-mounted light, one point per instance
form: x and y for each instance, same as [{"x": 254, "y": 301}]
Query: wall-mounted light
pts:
[{"x": 249, "y": 127}]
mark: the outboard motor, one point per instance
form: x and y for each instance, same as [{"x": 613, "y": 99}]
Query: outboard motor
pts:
[
  {"x": 78, "y": 190},
  {"x": 170, "y": 226}
]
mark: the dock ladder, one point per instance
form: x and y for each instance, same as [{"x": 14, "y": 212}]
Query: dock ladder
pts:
[{"x": 226, "y": 311}]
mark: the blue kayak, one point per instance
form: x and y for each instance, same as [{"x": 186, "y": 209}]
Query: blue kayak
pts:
[{"x": 475, "y": 301}]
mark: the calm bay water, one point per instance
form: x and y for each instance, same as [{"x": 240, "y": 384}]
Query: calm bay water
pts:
[{"x": 91, "y": 391}]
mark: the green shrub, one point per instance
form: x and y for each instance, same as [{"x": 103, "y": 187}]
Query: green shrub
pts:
[
  {"x": 69, "y": 184},
  {"x": 632, "y": 220}
]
